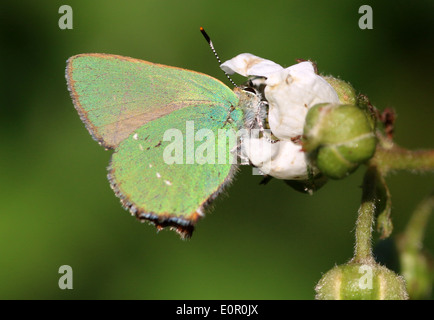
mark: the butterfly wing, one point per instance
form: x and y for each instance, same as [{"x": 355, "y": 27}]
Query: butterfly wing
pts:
[
  {"x": 115, "y": 95},
  {"x": 145, "y": 112},
  {"x": 154, "y": 187}
]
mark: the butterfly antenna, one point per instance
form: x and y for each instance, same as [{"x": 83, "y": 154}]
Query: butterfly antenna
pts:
[{"x": 208, "y": 39}]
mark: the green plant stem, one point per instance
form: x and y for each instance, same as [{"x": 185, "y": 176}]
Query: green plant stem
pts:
[
  {"x": 414, "y": 232},
  {"x": 415, "y": 264},
  {"x": 384, "y": 208},
  {"x": 397, "y": 158},
  {"x": 365, "y": 219}
]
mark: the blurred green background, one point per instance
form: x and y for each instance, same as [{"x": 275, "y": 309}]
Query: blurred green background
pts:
[{"x": 259, "y": 242}]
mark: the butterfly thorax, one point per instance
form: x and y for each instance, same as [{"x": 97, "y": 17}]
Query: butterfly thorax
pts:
[{"x": 253, "y": 106}]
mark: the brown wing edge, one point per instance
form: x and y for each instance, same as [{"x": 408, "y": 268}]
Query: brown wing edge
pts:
[
  {"x": 182, "y": 225},
  {"x": 75, "y": 98},
  {"x": 76, "y": 101}
]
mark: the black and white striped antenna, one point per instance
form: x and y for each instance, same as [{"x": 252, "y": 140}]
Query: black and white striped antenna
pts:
[{"x": 208, "y": 39}]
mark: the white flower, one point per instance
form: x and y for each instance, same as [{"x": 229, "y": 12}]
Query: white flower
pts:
[
  {"x": 281, "y": 160},
  {"x": 290, "y": 93},
  {"x": 247, "y": 64}
]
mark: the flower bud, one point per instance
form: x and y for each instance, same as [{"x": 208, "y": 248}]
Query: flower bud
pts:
[
  {"x": 338, "y": 138},
  {"x": 346, "y": 93},
  {"x": 358, "y": 281}
]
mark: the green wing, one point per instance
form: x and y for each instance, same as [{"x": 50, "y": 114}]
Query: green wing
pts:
[
  {"x": 173, "y": 194},
  {"x": 116, "y": 95},
  {"x": 128, "y": 105}
]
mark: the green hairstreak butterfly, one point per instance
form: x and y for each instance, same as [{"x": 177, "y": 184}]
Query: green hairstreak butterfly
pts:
[{"x": 129, "y": 105}]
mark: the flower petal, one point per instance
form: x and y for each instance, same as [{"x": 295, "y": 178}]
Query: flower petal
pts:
[
  {"x": 281, "y": 160},
  {"x": 247, "y": 64},
  {"x": 290, "y": 93}
]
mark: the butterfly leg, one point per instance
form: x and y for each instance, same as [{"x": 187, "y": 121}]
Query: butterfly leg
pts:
[{"x": 229, "y": 118}]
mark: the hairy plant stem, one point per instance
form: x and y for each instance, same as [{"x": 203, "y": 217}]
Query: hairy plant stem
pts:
[
  {"x": 365, "y": 219},
  {"x": 394, "y": 157},
  {"x": 388, "y": 157}
]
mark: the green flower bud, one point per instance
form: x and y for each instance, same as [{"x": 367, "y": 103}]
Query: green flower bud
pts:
[
  {"x": 357, "y": 281},
  {"x": 338, "y": 138},
  {"x": 346, "y": 93}
]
